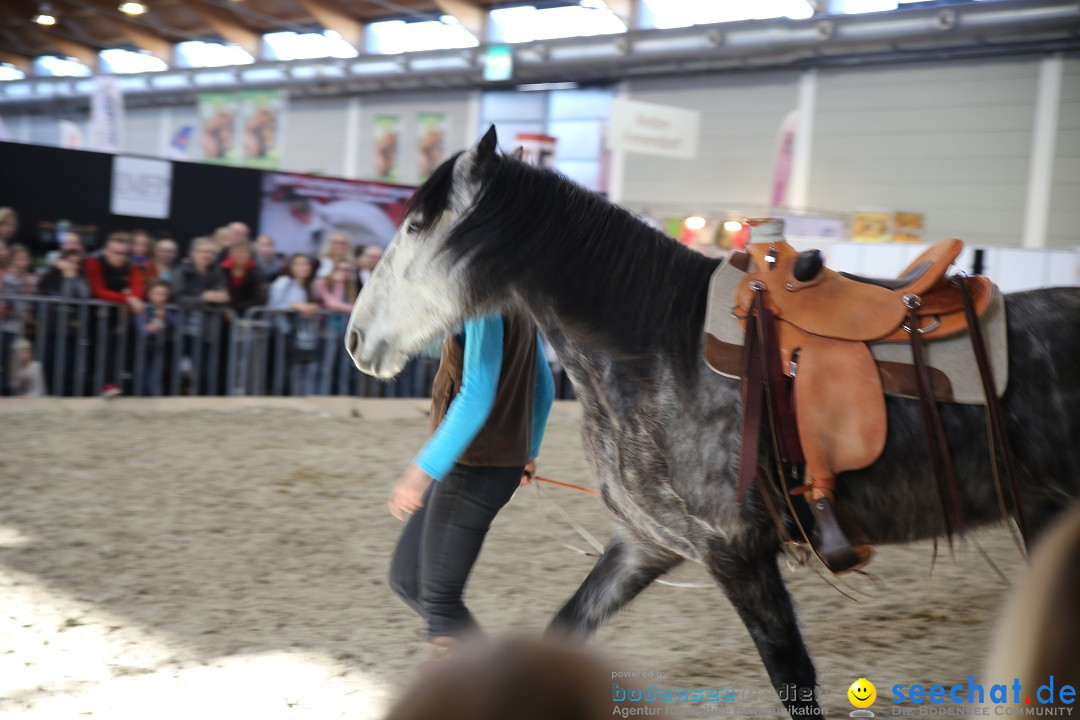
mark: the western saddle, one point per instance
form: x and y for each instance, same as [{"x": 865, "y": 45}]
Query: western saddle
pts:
[{"x": 808, "y": 371}]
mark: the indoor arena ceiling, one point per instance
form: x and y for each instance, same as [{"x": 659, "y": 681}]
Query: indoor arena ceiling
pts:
[{"x": 85, "y": 27}]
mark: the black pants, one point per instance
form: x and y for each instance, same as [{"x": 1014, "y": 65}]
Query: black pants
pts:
[{"x": 441, "y": 542}]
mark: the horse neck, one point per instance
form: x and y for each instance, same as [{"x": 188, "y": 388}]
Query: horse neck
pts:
[{"x": 634, "y": 309}]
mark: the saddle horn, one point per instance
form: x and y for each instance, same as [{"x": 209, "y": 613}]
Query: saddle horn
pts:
[{"x": 808, "y": 265}]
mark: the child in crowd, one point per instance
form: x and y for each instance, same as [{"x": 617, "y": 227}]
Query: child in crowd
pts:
[
  {"x": 27, "y": 379},
  {"x": 336, "y": 292},
  {"x": 154, "y": 324}
]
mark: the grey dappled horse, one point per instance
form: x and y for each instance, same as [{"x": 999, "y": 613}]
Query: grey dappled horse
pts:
[{"x": 623, "y": 306}]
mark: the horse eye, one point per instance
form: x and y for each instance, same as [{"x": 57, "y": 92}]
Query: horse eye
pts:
[{"x": 414, "y": 227}]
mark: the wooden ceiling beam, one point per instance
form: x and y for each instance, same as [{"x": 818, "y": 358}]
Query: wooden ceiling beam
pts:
[
  {"x": 85, "y": 54},
  {"x": 228, "y": 26},
  {"x": 334, "y": 19},
  {"x": 473, "y": 17},
  {"x": 25, "y": 63}
]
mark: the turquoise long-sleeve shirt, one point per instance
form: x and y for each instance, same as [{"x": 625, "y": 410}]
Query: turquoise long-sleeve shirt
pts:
[{"x": 470, "y": 408}]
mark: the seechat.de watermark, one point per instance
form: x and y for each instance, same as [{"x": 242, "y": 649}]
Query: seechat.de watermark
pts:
[{"x": 972, "y": 698}]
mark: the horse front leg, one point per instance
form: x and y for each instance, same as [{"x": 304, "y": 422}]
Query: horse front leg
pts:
[
  {"x": 753, "y": 585},
  {"x": 628, "y": 566}
]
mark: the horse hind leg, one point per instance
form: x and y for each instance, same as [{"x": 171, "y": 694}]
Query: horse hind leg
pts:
[
  {"x": 628, "y": 566},
  {"x": 753, "y": 584}
]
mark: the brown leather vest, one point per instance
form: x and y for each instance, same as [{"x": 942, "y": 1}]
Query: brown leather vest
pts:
[{"x": 506, "y": 437}]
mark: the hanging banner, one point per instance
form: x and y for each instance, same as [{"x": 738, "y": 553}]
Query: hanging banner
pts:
[
  {"x": 785, "y": 151},
  {"x": 141, "y": 187},
  {"x": 106, "y": 115},
  {"x": 260, "y": 114},
  {"x": 431, "y": 142},
  {"x": 651, "y": 129},
  {"x": 386, "y": 147},
  {"x": 180, "y": 145},
  {"x": 301, "y": 211},
  {"x": 218, "y": 114},
  {"x": 71, "y": 135}
]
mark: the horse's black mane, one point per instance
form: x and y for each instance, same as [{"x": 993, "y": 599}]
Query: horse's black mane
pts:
[{"x": 629, "y": 286}]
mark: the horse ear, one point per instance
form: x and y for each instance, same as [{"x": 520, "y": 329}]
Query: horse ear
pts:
[
  {"x": 518, "y": 153},
  {"x": 486, "y": 148}
]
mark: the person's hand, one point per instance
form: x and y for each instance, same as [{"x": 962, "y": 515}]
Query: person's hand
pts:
[
  {"x": 215, "y": 296},
  {"x": 407, "y": 495},
  {"x": 307, "y": 309},
  {"x": 529, "y": 473},
  {"x": 136, "y": 305}
]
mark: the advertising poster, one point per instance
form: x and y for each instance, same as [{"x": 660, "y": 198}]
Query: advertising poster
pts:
[
  {"x": 431, "y": 142},
  {"x": 301, "y": 211},
  {"x": 261, "y": 112},
  {"x": 537, "y": 149},
  {"x": 386, "y": 147},
  {"x": 871, "y": 227},
  {"x": 218, "y": 116}
]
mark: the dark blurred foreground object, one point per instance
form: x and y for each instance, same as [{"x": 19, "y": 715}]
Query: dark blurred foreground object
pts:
[
  {"x": 524, "y": 679},
  {"x": 1040, "y": 633}
]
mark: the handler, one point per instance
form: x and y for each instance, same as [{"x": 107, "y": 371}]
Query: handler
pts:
[{"x": 490, "y": 403}]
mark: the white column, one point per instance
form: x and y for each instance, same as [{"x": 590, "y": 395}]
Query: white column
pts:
[
  {"x": 1041, "y": 170},
  {"x": 472, "y": 131},
  {"x": 617, "y": 159},
  {"x": 352, "y": 139},
  {"x": 799, "y": 182},
  {"x": 165, "y": 123}
]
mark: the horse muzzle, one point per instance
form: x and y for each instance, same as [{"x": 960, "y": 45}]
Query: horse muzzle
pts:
[{"x": 372, "y": 358}]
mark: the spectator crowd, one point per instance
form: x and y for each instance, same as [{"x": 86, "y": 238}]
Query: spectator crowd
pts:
[{"x": 192, "y": 301}]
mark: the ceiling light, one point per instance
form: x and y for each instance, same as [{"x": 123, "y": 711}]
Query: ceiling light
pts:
[
  {"x": 45, "y": 15},
  {"x": 732, "y": 226},
  {"x": 694, "y": 222},
  {"x": 132, "y": 8}
]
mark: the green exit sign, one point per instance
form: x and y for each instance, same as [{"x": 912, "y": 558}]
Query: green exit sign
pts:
[{"x": 498, "y": 63}]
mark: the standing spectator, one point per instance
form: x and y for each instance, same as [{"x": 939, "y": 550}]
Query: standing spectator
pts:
[
  {"x": 164, "y": 260},
  {"x": 294, "y": 291},
  {"x": 27, "y": 379},
  {"x": 19, "y": 278},
  {"x": 269, "y": 261},
  {"x": 65, "y": 280},
  {"x": 240, "y": 231},
  {"x": 334, "y": 250},
  {"x": 368, "y": 260},
  {"x": 247, "y": 289},
  {"x": 336, "y": 293},
  {"x": 154, "y": 325},
  {"x": 200, "y": 288},
  {"x": 113, "y": 278},
  {"x": 68, "y": 241},
  {"x": 141, "y": 245},
  {"x": 16, "y": 318},
  {"x": 9, "y": 225}
]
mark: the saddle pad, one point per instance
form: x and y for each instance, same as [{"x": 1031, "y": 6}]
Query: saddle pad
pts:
[{"x": 952, "y": 357}]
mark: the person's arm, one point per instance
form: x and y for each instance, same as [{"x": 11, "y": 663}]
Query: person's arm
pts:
[
  {"x": 135, "y": 282},
  {"x": 470, "y": 408},
  {"x": 96, "y": 278},
  {"x": 542, "y": 400}
]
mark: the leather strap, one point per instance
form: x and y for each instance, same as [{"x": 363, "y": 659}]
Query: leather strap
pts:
[
  {"x": 778, "y": 391},
  {"x": 752, "y": 396},
  {"x": 993, "y": 406},
  {"x": 936, "y": 441}
]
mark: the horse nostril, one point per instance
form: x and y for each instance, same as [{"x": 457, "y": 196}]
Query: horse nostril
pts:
[{"x": 356, "y": 339}]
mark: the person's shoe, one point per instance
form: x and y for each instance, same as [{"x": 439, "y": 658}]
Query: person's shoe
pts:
[
  {"x": 110, "y": 391},
  {"x": 439, "y": 650}
]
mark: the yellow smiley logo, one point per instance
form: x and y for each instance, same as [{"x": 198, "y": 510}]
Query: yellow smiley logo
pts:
[{"x": 862, "y": 693}]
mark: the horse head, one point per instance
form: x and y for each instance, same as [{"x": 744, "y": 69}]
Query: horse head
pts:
[{"x": 420, "y": 290}]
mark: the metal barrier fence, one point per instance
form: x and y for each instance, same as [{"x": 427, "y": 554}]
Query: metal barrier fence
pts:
[{"x": 85, "y": 345}]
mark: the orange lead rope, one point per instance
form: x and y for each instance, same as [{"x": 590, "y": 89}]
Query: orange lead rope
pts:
[{"x": 566, "y": 485}]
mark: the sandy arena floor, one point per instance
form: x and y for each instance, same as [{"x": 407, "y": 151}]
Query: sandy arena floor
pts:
[{"x": 162, "y": 564}]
